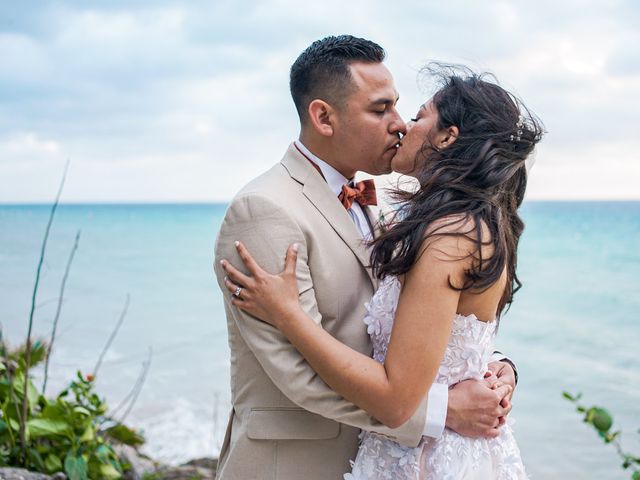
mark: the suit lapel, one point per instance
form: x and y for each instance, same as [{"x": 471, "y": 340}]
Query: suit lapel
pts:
[{"x": 316, "y": 190}]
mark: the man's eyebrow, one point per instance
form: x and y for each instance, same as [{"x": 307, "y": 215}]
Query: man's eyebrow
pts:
[{"x": 386, "y": 101}]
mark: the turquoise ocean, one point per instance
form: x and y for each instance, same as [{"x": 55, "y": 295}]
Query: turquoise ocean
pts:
[{"x": 574, "y": 326}]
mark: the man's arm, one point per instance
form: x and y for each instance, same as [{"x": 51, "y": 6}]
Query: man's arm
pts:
[{"x": 267, "y": 231}]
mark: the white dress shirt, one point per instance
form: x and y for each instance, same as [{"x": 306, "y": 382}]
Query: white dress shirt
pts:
[{"x": 438, "y": 393}]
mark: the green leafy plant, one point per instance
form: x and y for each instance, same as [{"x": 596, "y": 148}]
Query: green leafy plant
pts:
[
  {"x": 71, "y": 433},
  {"x": 602, "y": 421},
  {"x": 68, "y": 433}
]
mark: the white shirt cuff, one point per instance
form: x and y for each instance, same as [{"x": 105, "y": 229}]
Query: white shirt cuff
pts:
[{"x": 437, "y": 403}]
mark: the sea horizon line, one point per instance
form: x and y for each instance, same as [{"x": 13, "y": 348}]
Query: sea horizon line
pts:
[{"x": 125, "y": 203}]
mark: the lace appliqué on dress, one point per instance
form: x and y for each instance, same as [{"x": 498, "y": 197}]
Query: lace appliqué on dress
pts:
[{"x": 451, "y": 456}]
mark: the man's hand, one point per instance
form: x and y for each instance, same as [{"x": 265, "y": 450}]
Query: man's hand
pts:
[
  {"x": 502, "y": 374},
  {"x": 475, "y": 408}
]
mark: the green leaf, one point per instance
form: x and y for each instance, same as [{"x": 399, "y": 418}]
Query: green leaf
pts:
[
  {"x": 55, "y": 411},
  {"x": 124, "y": 434},
  {"x": 103, "y": 453},
  {"x": 75, "y": 467},
  {"x": 88, "y": 434},
  {"x": 601, "y": 419},
  {"x": 38, "y": 352},
  {"x": 32, "y": 391},
  {"x": 43, "y": 427},
  {"x": 2, "y": 367},
  {"x": 635, "y": 476},
  {"x": 82, "y": 411},
  {"x": 568, "y": 396},
  {"x": 108, "y": 472},
  {"x": 53, "y": 463},
  {"x": 32, "y": 395},
  {"x": 14, "y": 424},
  {"x": 36, "y": 459}
]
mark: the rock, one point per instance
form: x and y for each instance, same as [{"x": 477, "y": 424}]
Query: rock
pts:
[
  {"x": 199, "y": 468},
  {"x": 205, "y": 462},
  {"x": 22, "y": 474},
  {"x": 140, "y": 465},
  {"x": 186, "y": 472}
]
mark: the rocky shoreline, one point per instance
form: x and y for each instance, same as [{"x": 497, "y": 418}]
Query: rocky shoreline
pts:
[{"x": 142, "y": 468}]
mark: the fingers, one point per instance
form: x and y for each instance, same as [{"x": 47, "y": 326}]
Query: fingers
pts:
[
  {"x": 504, "y": 371},
  {"x": 247, "y": 259},
  {"x": 234, "y": 274},
  {"x": 503, "y": 390},
  {"x": 238, "y": 302},
  {"x": 291, "y": 259},
  {"x": 491, "y": 380},
  {"x": 232, "y": 288},
  {"x": 506, "y": 409}
]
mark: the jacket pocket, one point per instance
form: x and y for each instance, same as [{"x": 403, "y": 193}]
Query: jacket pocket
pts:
[{"x": 289, "y": 424}]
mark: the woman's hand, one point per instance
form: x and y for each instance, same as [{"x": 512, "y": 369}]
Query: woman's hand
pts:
[{"x": 271, "y": 298}]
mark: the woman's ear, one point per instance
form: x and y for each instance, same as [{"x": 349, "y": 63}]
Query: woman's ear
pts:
[
  {"x": 447, "y": 137},
  {"x": 321, "y": 117}
]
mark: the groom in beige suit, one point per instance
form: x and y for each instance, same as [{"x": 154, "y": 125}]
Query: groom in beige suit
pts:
[{"x": 286, "y": 423}]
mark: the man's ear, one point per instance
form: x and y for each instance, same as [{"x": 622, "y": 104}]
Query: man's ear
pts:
[
  {"x": 321, "y": 117},
  {"x": 449, "y": 136}
]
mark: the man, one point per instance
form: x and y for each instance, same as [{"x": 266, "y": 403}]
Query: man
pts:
[{"x": 285, "y": 422}]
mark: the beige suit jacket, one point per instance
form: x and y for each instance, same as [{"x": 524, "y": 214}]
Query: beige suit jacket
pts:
[{"x": 286, "y": 423}]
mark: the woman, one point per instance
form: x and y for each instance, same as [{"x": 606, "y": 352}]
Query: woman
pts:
[{"x": 447, "y": 266}]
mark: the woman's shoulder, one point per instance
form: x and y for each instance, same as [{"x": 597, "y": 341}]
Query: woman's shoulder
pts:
[{"x": 459, "y": 232}]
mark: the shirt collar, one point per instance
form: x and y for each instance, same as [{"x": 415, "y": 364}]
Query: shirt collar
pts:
[{"x": 334, "y": 178}]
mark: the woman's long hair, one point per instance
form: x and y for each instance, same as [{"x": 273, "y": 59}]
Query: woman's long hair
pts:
[{"x": 479, "y": 179}]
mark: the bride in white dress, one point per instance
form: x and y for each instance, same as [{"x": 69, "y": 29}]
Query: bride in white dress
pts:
[{"x": 447, "y": 269}]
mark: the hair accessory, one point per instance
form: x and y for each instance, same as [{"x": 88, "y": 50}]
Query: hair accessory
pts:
[{"x": 519, "y": 127}]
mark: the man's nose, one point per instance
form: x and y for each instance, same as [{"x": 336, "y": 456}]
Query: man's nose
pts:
[{"x": 398, "y": 126}]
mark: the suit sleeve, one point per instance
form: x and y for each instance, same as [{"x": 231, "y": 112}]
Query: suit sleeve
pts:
[{"x": 267, "y": 231}]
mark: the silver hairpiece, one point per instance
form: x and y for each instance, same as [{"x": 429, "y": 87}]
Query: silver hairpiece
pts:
[{"x": 519, "y": 127}]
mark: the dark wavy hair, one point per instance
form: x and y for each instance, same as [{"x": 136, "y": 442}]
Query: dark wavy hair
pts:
[
  {"x": 479, "y": 179},
  {"x": 322, "y": 70}
]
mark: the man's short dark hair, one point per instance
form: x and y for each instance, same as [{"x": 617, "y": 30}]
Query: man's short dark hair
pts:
[{"x": 322, "y": 70}]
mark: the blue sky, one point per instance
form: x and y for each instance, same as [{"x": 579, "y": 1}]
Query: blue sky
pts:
[{"x": 188, "y": 100}]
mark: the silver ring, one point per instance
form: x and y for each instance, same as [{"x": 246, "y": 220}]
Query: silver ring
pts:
[{"x": 237, "y": 292}]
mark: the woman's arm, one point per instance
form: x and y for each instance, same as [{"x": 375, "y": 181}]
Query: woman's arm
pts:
[{"x": 389, "y": 392}]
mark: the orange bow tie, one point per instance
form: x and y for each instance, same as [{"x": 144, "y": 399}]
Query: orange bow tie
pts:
[{"x": 363, "y": 192}]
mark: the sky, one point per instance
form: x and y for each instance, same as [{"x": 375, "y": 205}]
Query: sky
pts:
[{"x": 186, "y": 101}]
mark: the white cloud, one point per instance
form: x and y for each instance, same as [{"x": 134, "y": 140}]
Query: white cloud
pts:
[
  {"x": 172, "y": 100},
  {"x": 27, "y": 145}
]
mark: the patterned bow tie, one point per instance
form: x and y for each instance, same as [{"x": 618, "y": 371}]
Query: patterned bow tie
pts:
[{"x": 363, "y": 192}]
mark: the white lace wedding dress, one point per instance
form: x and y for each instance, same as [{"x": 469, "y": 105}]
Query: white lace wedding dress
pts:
[{"x": 451, "y": 456}]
